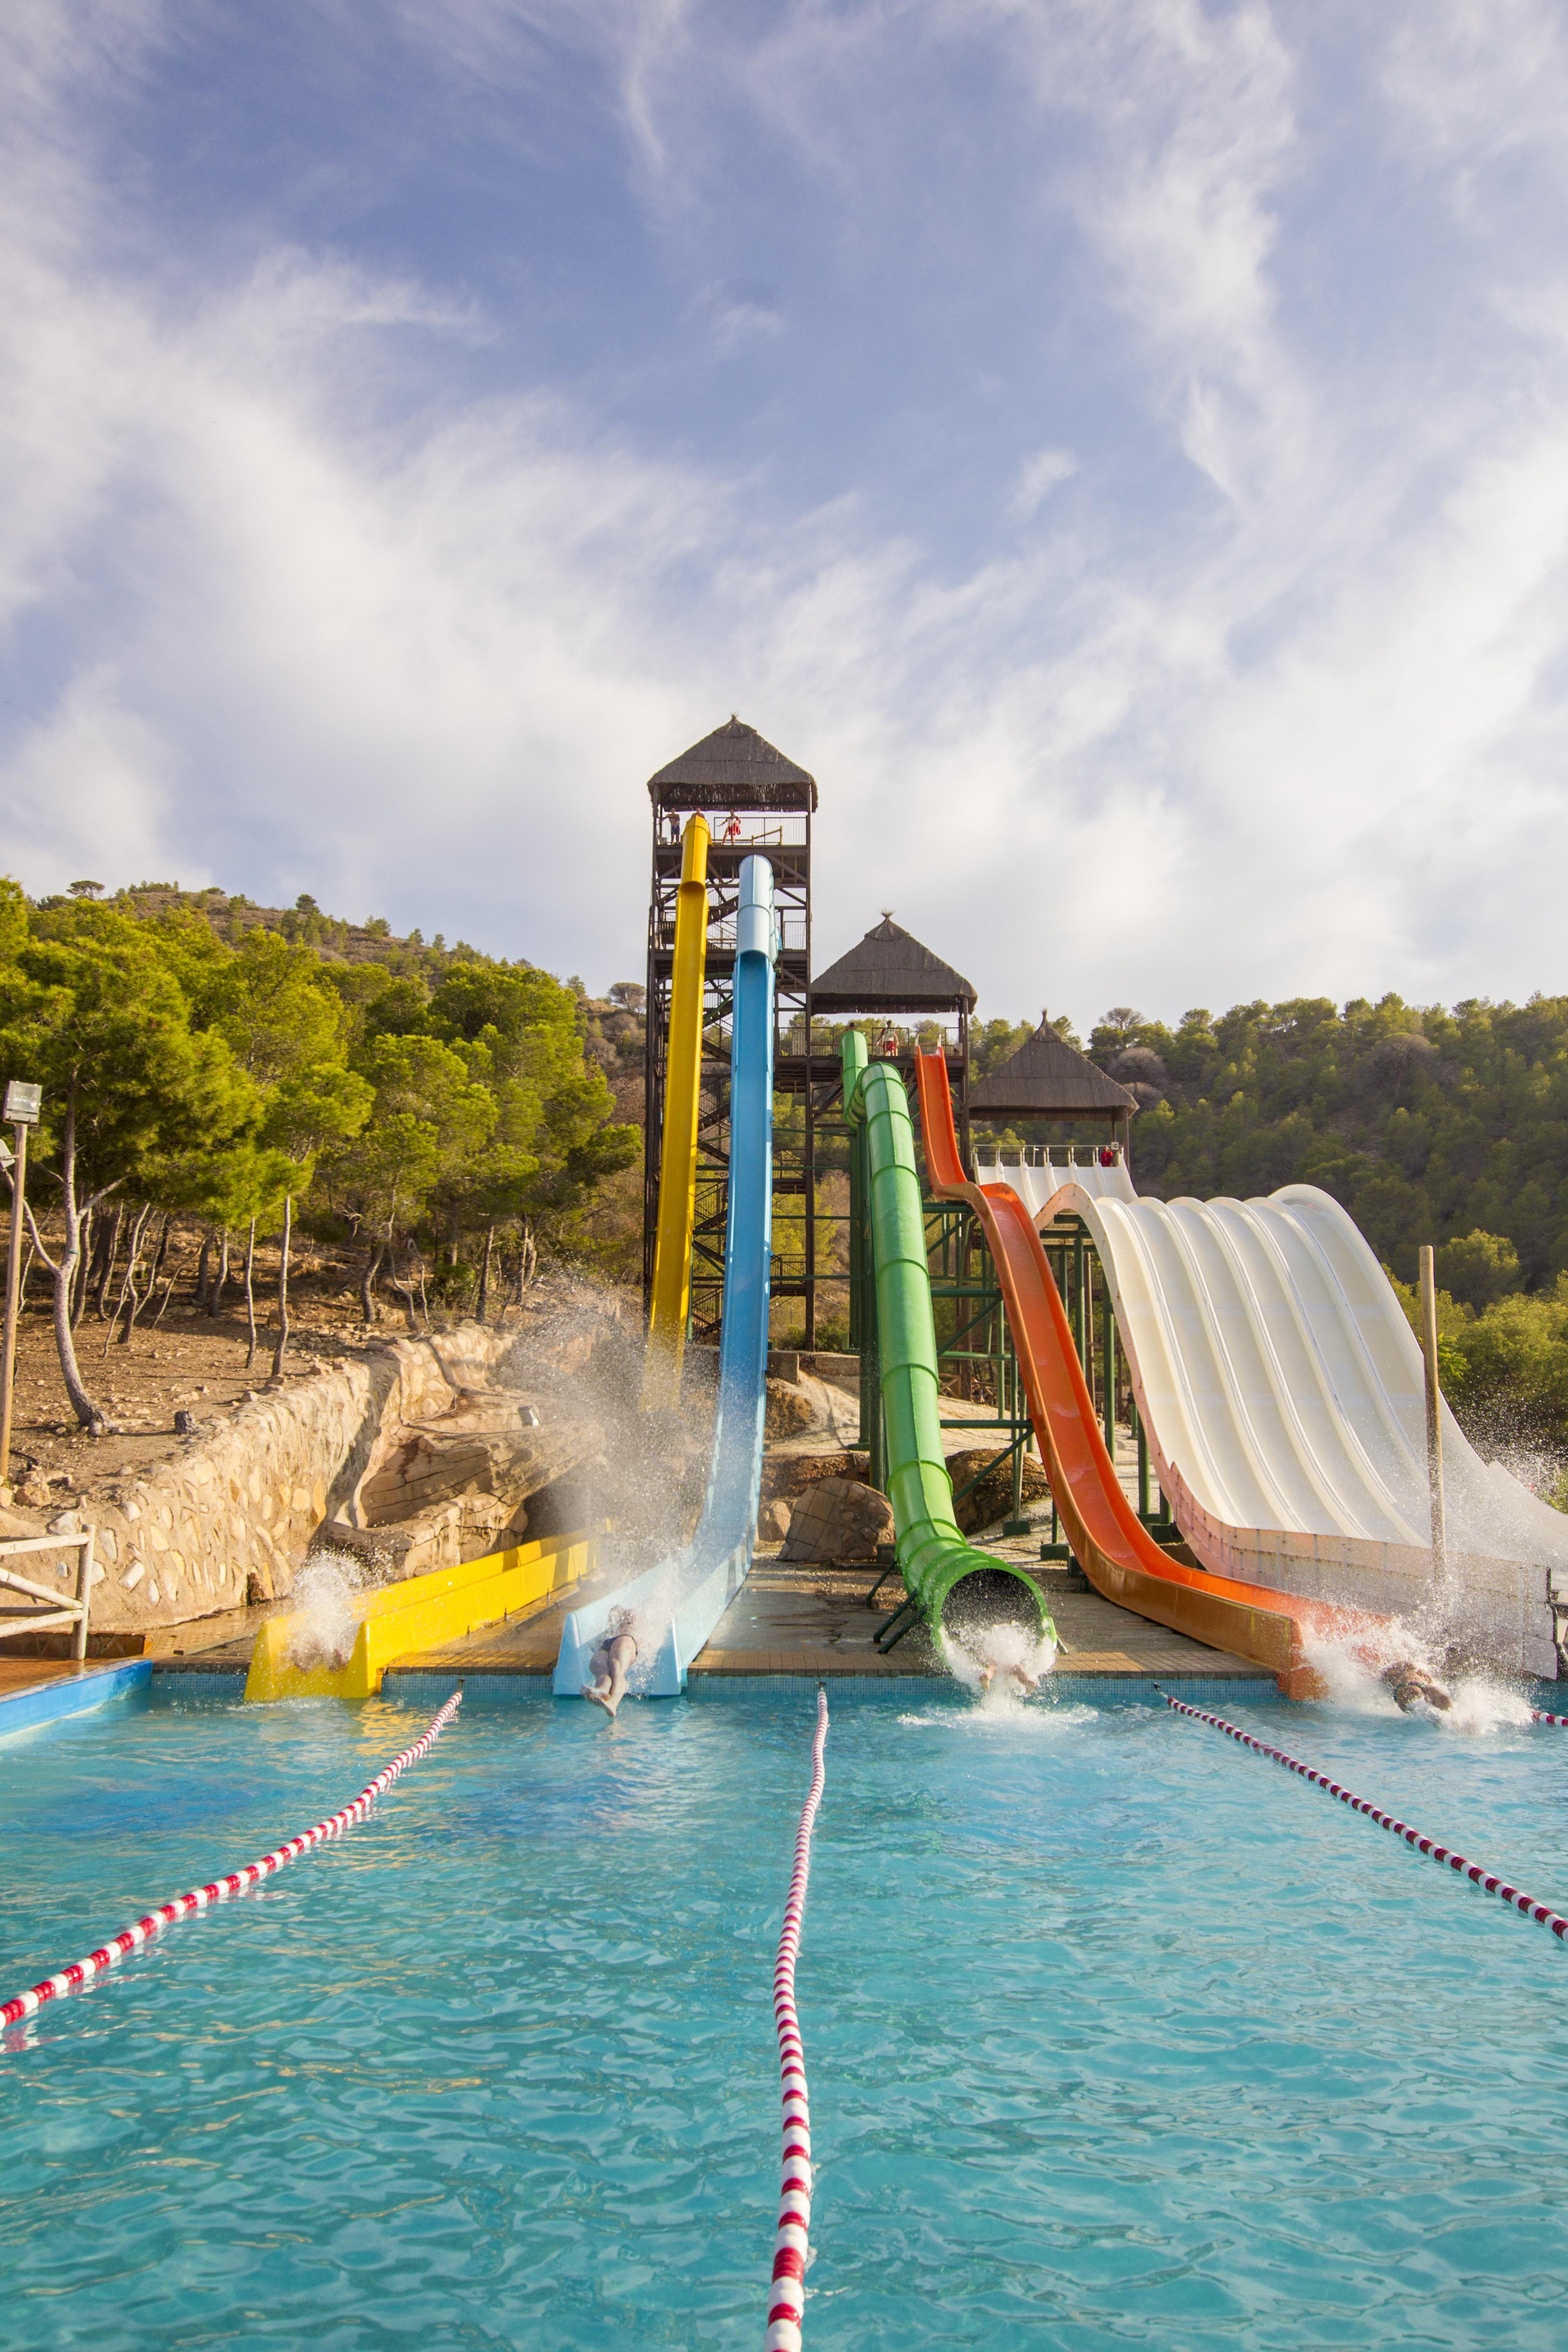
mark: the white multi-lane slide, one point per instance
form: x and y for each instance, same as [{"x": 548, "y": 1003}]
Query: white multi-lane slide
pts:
[{"x": 1282, "y": 1391}]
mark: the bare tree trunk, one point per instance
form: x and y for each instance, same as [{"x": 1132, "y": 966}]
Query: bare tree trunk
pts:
[
  {"x": 215, "y": 1302},
  {"x": 203, "y": 1264},
  {"x": 162, "y": 1252},
  {"x": 483, "y": 1299},
  {"x": 424, "y": 1301},
  {"x": 527, "y": 1265},
  {"x": 250, "y": 1293},
  {"x": 128, "y": 1282},
  {"x": 140, "y": 1299},
  {"x": 105, "y": 1269},
  {"x": 168, "y": 1293},
  {"x": 85, "y": 1246},
  {"x": 282, "y": 1349},
  {"x": 403, "y": 1285},
  {"x": 86, "y": 1413},
  {"x": 367, "y": 1282}
]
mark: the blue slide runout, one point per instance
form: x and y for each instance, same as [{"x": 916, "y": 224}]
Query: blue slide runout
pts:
[{"x": 680, "y": 1601}]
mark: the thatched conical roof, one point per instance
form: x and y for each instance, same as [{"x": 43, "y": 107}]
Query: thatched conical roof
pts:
[
  {"x": 734, "y": 768},
  {"x": 889, "y": 971},
  {"x": 1048, "y": 1079}
]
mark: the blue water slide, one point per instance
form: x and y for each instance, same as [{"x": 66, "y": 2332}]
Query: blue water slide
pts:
[{"x": 678, "y": 1602}]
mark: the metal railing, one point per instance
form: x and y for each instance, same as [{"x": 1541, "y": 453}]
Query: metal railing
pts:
[
  {"x": 1045, "y": 1155},
  {"x": 60, "y": 1609}
]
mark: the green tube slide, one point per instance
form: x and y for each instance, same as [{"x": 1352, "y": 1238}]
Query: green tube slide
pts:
[{"x": 948, "y": 1579}]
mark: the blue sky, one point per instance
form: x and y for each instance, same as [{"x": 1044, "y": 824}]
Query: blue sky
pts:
[{"x": 1119, "y": 446}]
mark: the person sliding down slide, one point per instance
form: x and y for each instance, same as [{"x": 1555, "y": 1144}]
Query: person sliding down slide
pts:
[
  {"x": 1027, "y": 1682},
  {"x": 612, "y": 1662},
  {"x": 1412, "y": 1687}
]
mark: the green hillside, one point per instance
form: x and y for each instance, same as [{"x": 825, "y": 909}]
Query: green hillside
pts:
[
  {"x": 439, "y": 1109},
  {"x": 439, "y": 1113}
]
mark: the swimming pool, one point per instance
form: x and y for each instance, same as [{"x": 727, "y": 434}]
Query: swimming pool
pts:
[{"x": 1117, "y": 2035}]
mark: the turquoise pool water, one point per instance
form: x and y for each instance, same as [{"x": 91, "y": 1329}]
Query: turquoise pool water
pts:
[{"x": 1117, "y": 2035}]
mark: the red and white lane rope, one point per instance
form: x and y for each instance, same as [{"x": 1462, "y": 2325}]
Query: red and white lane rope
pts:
[
  {"x": 238, "y": 1882},
  {"x": 787, "y": 2297},
  {"x": 1539, "y": 1715},
  {"x": 1540, "y": 1912}
]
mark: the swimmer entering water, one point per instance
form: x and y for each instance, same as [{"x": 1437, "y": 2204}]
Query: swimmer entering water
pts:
[
  {"x": 1412, "y": 1687},
  {"x": 612, "y": 1662},
  {"x": 1027, "y": 1682}
]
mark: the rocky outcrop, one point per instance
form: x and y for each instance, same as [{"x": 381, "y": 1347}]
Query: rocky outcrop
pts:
[
  {"x": 787, "y": 1475},
  {"x": 992, "y": 1499},
  {"x": 806, "y": 1408},
  {"x": 839, "y": 1520},
  {"x": 434, "y": 1464}
]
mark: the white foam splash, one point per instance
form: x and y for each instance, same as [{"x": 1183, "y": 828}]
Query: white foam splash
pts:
[
  {"x": 323, "y": 1601},
  {"x": 1010, "y": 1721},
  {"x": 1356, "y": 1684},
  {"x": 989, "y": 1661}
]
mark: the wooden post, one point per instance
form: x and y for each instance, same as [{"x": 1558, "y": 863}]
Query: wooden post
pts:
[
  {"x": 13, "y": 1300},
  {"x": 1434, "y": 1414},
  {"x": 83, "y": 1594}
]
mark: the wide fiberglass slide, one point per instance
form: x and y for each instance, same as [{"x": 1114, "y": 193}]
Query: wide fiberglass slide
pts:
[
  {"x": 680, "y": 1602},
  {"x": 1110, "y": 1542},
  {"x": 1282, "y": 1389},
  {"x": 950, "y": 1582}
]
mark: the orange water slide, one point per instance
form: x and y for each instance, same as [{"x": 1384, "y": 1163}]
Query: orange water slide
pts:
[{"x": 1110, "y": 1542}]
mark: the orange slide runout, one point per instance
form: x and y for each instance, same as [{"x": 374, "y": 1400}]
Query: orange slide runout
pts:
[{"x": 1109, "y": 1541}]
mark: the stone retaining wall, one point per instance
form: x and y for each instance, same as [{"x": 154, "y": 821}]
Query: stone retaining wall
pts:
[{"x": 232, "y": 1516}]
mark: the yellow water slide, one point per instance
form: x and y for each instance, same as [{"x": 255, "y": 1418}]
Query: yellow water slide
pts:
[
  {"x": 677, "y": 1154},
  {"x": 291, "y": 1659}
]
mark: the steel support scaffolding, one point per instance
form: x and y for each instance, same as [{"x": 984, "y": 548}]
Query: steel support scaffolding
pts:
[{"x": 754, "y": 807}]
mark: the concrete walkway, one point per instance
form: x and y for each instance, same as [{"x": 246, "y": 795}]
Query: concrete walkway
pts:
[{"x": 790, "y": 1619}]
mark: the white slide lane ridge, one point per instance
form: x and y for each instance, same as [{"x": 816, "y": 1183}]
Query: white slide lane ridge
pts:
[{"x": 1283, "y": 1390}]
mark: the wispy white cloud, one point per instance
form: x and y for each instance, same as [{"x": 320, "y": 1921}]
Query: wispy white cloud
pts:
[
  {"x": 292, "y": 608},
  {"x": 1037, "y": 478}
]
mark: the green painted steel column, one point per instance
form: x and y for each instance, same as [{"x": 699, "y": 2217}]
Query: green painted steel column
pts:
[
  {"x": 1108, "y": 1364},
  {"x": 932, "y": 1555}
]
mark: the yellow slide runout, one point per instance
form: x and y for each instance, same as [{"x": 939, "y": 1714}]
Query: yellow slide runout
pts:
[
  {"x": 397, "y": 1619},
  {"x": 677, "y": 1152}
]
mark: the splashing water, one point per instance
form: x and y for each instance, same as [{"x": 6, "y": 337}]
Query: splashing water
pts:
[
  {"x": 1357, "y": 1684},
  {"x": 1002, "y": 1663},
  {"x": 1005, "y": 1718},
  {"x": 324, "y": 1593}
]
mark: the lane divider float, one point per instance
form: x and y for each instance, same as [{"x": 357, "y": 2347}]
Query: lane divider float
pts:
[
  {"x": 1539, "y": 1715},
  {"x": 238, "y": 1882},
  {"x": 787, "y": 2297},
  {"x": 1540, "y": 1912}
]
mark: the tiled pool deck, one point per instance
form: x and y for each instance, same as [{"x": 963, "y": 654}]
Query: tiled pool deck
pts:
[{"x": 790, "y": 1621}]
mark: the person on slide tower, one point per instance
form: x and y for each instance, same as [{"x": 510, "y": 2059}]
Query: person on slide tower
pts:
[{"x": 612, "y": 1662}]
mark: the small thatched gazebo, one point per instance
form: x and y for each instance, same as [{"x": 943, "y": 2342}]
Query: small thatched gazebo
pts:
[
  {"x": 889, "y": 971},
  {"x": 1048, "y": 1079},
  {"x": 734, "y": 768}
]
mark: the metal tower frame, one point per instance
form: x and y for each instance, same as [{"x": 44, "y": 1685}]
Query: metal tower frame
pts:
[{"x": 756, "y": 802}]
